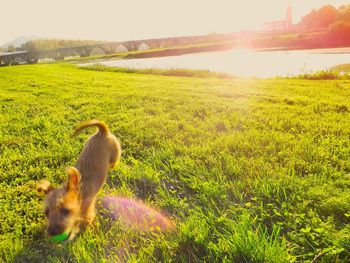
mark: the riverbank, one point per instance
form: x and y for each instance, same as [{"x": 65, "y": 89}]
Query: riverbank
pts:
[
  {"x": 248, "y": 169},
  {"x": 343, "y": 68},
  {"x": 159, "y": 52},
  {"x": 331, "y": 74},
  {"x": 238, "y": 62},
  {"x": 259, "y": 41},
  {"x": 290, "y": 41}
]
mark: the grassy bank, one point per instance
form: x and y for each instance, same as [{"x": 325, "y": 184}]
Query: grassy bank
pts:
[
  {"x": 343, "y": 68},
  {"x": 329, "y": 74},
  {"x": 249, "y": 170},
  {"x": 259, "y": 41},
  {"x": 162, "y": 72}
]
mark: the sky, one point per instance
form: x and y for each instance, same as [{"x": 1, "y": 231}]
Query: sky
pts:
[{"x": 116, "y": 20}]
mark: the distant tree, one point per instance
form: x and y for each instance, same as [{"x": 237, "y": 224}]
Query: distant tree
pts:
[
  {"x": 328, "y": 15},
  {"x": 11, "y": 48},
  {"x": 340, "y": 31},
  {"x": 344, "y": 14},
  {"x": 321, "y": 18},
  {"x": 309, "y": 21},
  {"x": 29, "y": 46},
  {"x": 47, "y": 44}
]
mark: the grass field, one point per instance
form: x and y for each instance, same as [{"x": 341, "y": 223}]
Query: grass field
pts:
[{"x": 249, "y": 170}]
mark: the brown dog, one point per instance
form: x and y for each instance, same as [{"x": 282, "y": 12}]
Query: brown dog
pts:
[{"x": 73, "y": 205}]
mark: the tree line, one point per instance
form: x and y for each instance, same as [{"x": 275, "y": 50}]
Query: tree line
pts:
[
  {"x": 334, "y": 22},
  {"x": 48, "y": 44},
  {"x": 326, "y": 17}
]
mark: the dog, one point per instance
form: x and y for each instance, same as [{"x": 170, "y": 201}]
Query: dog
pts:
[{"x": 72, "y": 206}]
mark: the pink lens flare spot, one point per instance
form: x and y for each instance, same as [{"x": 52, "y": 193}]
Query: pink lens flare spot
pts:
[{"x": 136, "y": 214}]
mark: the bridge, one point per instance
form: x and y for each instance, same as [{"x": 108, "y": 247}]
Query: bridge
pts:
[
  {"x": 14, "y": 58},
  {"x": 31, "y": 57}
]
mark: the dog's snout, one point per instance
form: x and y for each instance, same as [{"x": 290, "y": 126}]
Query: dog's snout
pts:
[{"x": 55, "y": 230}]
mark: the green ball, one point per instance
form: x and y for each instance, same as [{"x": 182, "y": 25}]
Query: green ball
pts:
[{"x": 60, "y": 237}]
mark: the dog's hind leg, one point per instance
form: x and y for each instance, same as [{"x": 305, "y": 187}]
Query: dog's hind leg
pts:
[{"x": 115, "y": 154}]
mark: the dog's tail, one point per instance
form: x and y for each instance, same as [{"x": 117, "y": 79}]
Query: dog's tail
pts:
[{"x": 102, "y": 127}]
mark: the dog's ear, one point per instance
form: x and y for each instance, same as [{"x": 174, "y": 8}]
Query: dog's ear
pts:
[
  {"x": 44, "y": 187},
  {"x": 73, "y": 179}
]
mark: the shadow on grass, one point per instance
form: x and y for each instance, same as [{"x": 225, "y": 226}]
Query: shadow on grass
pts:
[
  {"x": 41, "y": 249},
  {"x": 107, "y": 240}
]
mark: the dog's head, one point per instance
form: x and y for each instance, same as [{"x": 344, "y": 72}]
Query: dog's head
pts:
[{"x": 62, "y": 205}]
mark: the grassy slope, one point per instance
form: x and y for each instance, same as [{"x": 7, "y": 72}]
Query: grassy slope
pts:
[
  {"x": 251, "y": 170},
  {"x": 343, "y": 68}
]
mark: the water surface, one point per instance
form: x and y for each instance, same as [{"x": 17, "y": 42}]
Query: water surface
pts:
[{"x": 245, "y": 62}]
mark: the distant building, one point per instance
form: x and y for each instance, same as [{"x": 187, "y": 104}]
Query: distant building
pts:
[{"x": 281, "y": 25}]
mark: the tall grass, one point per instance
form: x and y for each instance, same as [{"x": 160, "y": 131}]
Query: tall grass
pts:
[
  {"x": 329, "y": 74},
  {"x": 164, "y": 72}
]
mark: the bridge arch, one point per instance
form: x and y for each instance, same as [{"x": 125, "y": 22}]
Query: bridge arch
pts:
[
  {"x": 82, "y": 51},
  {"x": 163, "y": 44},
  {"x": 143, "y": 46},
  {"x": 71, "y": 54},
  {"x": 121, "y": 48},
  {"x": 97, "y": 51}
]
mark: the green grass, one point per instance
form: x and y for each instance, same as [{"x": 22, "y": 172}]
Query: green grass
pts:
[{"x": 250, "y": 170}]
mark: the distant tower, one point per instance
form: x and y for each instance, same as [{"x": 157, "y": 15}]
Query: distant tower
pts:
[{"x": 289, "y": 15}]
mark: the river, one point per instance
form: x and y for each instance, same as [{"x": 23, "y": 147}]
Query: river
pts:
[{"x": 244, "y": 62}]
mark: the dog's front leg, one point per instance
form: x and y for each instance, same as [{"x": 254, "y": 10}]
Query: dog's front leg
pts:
[{"x": 88, "y": 211}]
